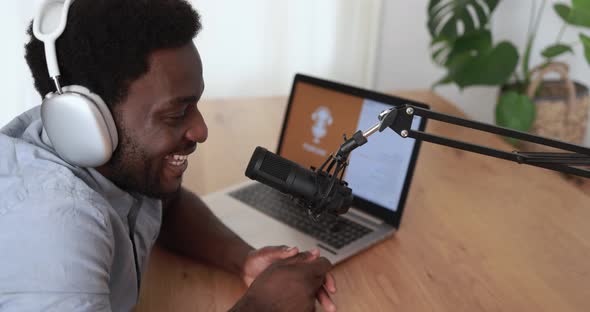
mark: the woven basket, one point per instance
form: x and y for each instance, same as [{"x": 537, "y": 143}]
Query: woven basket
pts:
[{"x": 562, "y": 108}]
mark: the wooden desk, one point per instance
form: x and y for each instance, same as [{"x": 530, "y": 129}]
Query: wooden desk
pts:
[{"x": 478, "y": 233}]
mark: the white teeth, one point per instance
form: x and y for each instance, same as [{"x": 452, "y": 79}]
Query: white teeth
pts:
[
  {"x": 180, "y": 157},
  {"x": 177, "y": 163},
  {"x": 177, "y": 160}
]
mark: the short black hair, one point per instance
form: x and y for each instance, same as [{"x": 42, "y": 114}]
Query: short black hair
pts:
[{"x": 107, "y": 43}]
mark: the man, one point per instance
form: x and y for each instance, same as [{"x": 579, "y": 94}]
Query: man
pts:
[{"x": 78, "y": 239}]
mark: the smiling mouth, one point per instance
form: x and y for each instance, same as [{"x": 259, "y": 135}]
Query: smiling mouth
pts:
[{"x": 177, "y": 160}]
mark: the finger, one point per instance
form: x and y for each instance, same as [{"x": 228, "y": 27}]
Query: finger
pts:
[
  {"x": 290, "y": 251},
  {"x": 324, "y": 299},
  {"x": 311, "y": 255},
  {"x": 298, "y": 258},
  {"x": 278, "y": 252},
  {"x": 330, "y": 283},
  {"x": 286, "y": 252}
]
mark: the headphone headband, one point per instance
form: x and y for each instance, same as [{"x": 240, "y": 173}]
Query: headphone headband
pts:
[
  {"x": 77, "y": 122},
  {"x": 48, "y": 25}
]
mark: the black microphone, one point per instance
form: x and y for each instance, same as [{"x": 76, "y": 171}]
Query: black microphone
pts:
[{"x": 315, "y": 190}]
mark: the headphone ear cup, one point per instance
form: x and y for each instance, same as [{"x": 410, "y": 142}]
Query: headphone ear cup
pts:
[
  {"x": 79, "y": 126},
  {"x": 102, "y": 107}
]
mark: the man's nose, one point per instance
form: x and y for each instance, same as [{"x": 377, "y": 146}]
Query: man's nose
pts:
[{"x": 198, "y": 131}]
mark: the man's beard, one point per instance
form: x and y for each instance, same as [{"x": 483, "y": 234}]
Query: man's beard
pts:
[{"x": 130, "y": 169}]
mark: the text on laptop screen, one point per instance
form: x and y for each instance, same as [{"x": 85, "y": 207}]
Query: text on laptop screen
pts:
[{"x": 314, "y": 129}]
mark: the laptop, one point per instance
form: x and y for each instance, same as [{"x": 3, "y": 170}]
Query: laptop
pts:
[{"x": 379, "y": 173}]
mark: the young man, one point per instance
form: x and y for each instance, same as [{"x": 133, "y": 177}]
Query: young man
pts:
[{"x": 78, "y": 239}]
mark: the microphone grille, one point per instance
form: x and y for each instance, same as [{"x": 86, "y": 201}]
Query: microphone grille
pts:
[{"x": 276, "y": 166}]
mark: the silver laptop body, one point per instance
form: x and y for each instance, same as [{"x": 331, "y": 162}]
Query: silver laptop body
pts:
[{"x": 318, "y": 114}]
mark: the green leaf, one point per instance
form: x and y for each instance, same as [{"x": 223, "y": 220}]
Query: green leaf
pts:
[
  {"x": 576, "y": 16},
  {"x": 555, "y": 50},
  {"x": 581, "y": 4},
  {"x": 440, "y": 54},
  {"x": 563, "y": 11},
  {"x": 586, "y": 42},
  {"x": 440, "y": 49},
  {"x": 579, "y": 18},
  {"x": 454, "y": 18},
  {"x": 454, "y": 68},
  {"x": 438, "y": 40},
  {"x": 474, "y": 43},
  {"x": 491, "y": 68},
  {"x": 515, "y": 111}
]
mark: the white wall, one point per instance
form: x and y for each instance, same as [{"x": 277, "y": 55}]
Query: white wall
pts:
[
  {"x": 249, "y": 48},
  {"x": 253, "y": 48},
  {"x": 15, "y": 81},
  {"x": 404, "y": 61}
]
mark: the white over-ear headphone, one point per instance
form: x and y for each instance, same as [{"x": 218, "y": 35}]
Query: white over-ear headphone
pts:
[{"x": 77, "y": 121}]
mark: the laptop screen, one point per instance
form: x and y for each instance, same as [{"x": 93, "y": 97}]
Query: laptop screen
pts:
[{"x": 321, "y": 112}]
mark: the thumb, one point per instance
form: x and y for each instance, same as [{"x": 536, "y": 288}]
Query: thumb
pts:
[{"x": 278, "y": 252}]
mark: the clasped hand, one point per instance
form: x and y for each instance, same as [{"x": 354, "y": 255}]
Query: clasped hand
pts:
[{"x": 283, "y": 279}]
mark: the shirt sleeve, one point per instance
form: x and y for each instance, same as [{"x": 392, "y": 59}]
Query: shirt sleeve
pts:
[{"x": 55, "y": 255}]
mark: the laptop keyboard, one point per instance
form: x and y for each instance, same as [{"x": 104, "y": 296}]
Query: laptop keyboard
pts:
[{"x": 333, "y": 230}]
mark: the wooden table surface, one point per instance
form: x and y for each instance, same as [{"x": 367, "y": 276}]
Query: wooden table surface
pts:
[{"x": 478, "y": 233}]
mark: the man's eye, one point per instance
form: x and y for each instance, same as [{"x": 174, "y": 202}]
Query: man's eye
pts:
[
  {"x": 183, "y": 114},
  {"x": 177, "y": 116}
]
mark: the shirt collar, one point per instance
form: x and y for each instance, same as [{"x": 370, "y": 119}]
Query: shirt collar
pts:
[{"x": 119, "y": 199}]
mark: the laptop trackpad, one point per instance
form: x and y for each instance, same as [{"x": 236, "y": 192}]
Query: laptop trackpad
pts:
[{"x": 257, "y": 229}]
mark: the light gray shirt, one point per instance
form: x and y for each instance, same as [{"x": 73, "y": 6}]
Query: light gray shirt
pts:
[{"x": 64, "y": 232}]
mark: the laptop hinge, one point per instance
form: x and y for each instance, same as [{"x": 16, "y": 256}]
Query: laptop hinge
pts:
[{"x": 364, "y": 216}]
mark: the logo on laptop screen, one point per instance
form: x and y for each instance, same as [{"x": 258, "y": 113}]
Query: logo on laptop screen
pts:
[{"x": 322, "y": 118}]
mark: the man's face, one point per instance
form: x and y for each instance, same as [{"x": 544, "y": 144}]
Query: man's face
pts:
[{"x": 159, "y": 124}]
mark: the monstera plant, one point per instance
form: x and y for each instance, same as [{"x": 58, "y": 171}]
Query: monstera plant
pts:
[{"x": 462, "y": 42}]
